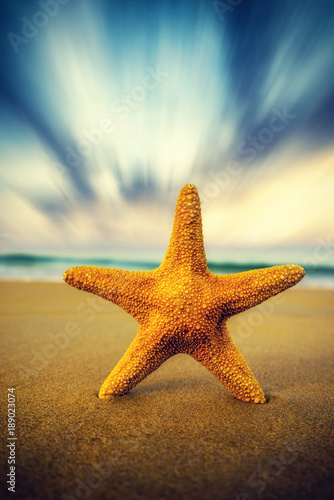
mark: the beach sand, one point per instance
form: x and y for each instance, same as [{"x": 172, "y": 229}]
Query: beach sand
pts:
[{"x": 179, "y": 434}]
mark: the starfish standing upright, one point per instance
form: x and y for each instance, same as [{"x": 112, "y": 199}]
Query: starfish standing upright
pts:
[{"x": 181, "y": 307}]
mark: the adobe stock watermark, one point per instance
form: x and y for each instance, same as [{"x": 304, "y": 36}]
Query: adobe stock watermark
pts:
[
  {"x": 263, "y": 476},
  {"x": 86, "y": 486},
  {"x": 251, "y": 147},
  {"x": 219, "y": 182},
  {"x": 120, "y": 108},
  {"x": 256, "y": 317},
  {"x": 321, "y": 252},
  {"x": 59, "y": 340},
  {"x": 228, "y": 6},
  {"x": 281, "y": 119},
  {"x": 84, "y": 147},
  {"x": 30, "y": 27}
]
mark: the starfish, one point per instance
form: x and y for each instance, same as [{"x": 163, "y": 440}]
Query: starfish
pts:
[{"x": 181, "y": 307}]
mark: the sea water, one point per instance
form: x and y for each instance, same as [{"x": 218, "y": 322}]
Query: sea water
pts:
[{"x": 318, "y": 264}]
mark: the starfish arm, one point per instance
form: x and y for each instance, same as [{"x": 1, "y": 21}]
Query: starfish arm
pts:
[
  {"x": 186, "y": 246},
  {"x": 222, "y": 358},
  {"x": 245, "y": 290},
  {"x": 145, "y": 354},
  {"x": 128, "y": 289}
]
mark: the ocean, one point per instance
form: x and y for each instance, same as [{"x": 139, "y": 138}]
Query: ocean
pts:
[{"x": 319, "y": 265}]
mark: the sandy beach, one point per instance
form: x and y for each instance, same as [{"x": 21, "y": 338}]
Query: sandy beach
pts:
[{"x": 179, "y": 434}]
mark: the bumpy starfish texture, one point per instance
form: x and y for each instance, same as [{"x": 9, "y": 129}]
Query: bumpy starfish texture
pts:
[{"x": 181, "y": 307}]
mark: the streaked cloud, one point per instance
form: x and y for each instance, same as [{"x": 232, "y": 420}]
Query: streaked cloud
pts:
[{"x": 111, "y": 108}]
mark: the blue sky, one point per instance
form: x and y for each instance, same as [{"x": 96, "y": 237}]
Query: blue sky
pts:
[{"x": 109, "y": 108}]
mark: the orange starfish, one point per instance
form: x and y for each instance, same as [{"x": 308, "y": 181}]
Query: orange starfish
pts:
[{"x": 181, "y": 307}]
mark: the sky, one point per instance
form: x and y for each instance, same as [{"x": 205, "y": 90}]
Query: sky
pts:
[{"x": 109, "y": 107}]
